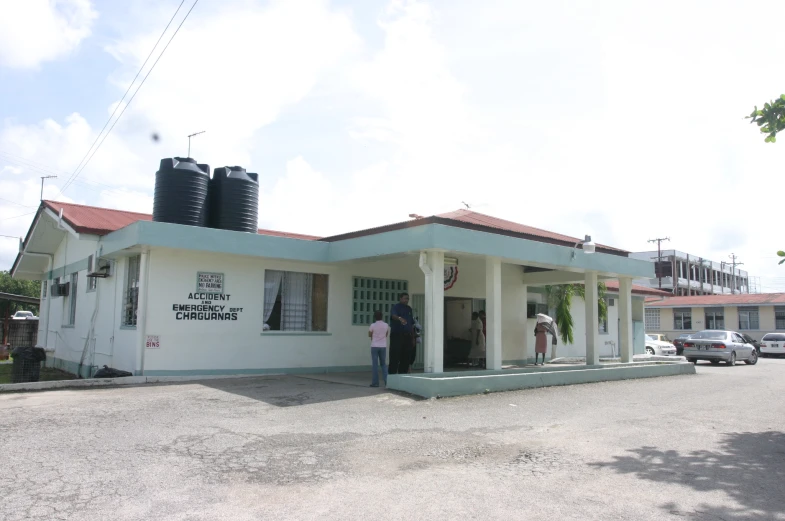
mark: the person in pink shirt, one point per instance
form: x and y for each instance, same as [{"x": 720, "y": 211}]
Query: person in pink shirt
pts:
[{"x": 378, "y": 333}]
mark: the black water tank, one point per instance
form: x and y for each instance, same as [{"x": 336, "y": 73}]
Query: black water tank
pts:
[
  {"x": 181, "y": 192},
  {"x": 234, "y": 196}
]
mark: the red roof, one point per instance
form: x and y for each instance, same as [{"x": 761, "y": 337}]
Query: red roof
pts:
[
  {"x": 93, "y": 220},
  {"x": 101, "y": 221},
  {"x": 468, "y": 216},
  {"x": 613, "y": 285},
  {"x": 745, "y": 299}
]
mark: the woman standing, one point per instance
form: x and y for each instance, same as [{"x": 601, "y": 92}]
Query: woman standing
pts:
[
  {"x": 477, "y": 353},
  {"x": 541, "y": 343}
]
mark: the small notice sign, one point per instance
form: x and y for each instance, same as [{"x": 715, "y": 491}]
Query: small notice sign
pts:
[
  {"x": 153, "y": 342},
  {"x": 209, "y": 282}
]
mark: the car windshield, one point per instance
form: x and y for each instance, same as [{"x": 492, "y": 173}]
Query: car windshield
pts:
[
  {"x": 651, "y": 338},
  {"x": 774, "y": 337},
  {"x": 24, "y": 313},
  {"x": 684, "y": 336},
  {"x": 709, "y": 335}
]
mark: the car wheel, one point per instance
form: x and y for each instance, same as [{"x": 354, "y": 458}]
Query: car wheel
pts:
[
  {"x": 732, "y": 359},
  {"x": 753, "y": 359},
  {"x": 649, "y": 351},
  {"x": 692, "y": 360},
  {"x": 715, "y": 362}
]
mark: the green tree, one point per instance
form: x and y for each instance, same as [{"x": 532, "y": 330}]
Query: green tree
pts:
[
  {"x": 28, "y": 288},
  {"x": 770, "y": 119},
  {"x": 560, "y": 300}
]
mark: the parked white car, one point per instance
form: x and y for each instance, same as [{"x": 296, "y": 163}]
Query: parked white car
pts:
[
  {"x": 24, "y": 315},
  {"x": 772, "y": 344},
  {"x": 659, "y": 347}
]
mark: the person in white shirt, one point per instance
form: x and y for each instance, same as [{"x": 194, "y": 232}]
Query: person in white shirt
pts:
[{"x": 378, "y": 333}]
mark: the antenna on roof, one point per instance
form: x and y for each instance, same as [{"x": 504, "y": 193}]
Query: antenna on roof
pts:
[
  {"x": 466, "y": 204},
  {"x": 189, "y": 140}
]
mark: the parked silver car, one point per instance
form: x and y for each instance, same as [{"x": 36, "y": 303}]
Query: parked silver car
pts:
[{"x": 719, "y": 346}]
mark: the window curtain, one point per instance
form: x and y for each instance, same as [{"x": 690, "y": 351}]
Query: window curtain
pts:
[
  {"x": 296, "y": 310},
  {"x": 272, "y": 285}
]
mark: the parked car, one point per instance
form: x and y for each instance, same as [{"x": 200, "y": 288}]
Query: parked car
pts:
[
  {"x": 658, "y": 347},
  {"x": 659, "y": 337},
  {"x": 747, "y": 338},
  {"x": 719, "y": 346},
  {"x": 679, "y": 343},
  {"x": 24, "y": 315},
  {"x": 772, "y": 344}
]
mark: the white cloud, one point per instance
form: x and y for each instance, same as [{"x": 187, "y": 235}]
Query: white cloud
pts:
[
  {"x": 622, "y": 120},
  {"x": 36, "y": 31}
]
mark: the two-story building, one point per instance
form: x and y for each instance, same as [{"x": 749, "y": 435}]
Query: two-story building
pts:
[{"x": 753, "y": 314}]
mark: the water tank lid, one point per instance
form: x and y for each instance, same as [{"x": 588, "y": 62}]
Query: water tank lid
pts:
[{"x": 186, "y": 160}]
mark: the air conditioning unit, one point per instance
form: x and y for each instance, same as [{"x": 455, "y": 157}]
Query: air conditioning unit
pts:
[
  {"x": 98, "y": 267},
  {"x": 63, "y": 289},
  {"x": 54, "y": 290}
]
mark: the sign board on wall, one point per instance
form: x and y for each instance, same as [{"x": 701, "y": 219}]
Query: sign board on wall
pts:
[
  {"x": 209, "y": 282},
  {"x": 153, "y": 342}
]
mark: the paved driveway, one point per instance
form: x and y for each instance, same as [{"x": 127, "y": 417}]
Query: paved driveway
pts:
[{"x": 709, "y": 447}]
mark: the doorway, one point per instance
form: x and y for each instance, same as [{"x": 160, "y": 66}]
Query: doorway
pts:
[{"x": 457, "y": 325}]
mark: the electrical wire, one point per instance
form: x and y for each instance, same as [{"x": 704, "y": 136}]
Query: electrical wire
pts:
[{"x": 79, "y": 170}]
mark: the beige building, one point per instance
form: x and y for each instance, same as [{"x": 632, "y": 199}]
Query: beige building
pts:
[{"x": 753, "y": 314}]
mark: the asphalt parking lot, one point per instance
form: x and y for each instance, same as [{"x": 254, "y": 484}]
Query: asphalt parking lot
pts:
[{"x": 709, "y": 446}]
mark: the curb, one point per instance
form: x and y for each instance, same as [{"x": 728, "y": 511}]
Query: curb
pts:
[{"x": 107, "y": 382}]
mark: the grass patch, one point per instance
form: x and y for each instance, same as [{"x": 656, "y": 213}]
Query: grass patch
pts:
[{"x": 48, "y": 374}]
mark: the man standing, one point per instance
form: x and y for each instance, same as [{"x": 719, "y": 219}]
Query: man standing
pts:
[{"x": 401, "y": 340}]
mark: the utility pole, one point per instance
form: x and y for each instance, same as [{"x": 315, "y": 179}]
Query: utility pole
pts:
[
  {"x": 189, "y": 140},
  {"x": 42, "y": 184},
  {"x": 733, "y": 258},
  {"x": 659, "y": 257}
]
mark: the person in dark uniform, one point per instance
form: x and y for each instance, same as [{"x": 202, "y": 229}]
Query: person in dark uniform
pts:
[{"x": 401, "y": 335}]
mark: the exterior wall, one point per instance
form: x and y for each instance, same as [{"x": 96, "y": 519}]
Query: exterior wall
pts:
[
  {"x": 730, "y": 314},
  {"x": 226, "y": 346}
]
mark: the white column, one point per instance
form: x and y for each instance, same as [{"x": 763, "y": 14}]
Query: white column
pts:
[
  {"x": 625, "y": 319},
  {"x": 434, "y": 315},
  {"x": 525, "y": 327},
  {"x": 592, "y": 320},
  {"x": 493, "y": 310}
]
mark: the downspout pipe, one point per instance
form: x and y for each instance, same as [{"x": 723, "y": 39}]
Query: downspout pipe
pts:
[
  {"x": 424, "y": 264},
  {"x": 141, "y": 325}
]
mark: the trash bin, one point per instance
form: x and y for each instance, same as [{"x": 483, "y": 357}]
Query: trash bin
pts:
[{"x": 27, "y": 364}]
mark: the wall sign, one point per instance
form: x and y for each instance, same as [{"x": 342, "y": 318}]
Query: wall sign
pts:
[
  {"x": 153, "y": 342},
  {"x": 450, "y": 276},
  {"x": 209, "y": 282}
]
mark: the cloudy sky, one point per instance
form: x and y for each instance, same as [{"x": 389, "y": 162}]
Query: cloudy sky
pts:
[{"x": 619, "y": 119}]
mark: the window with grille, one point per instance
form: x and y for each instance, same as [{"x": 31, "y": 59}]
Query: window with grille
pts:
[
  {"x": 652, "y": 320},
  {"x": 43, "y": 289},
  {"x": 682, "y": 319},
  {"x": 779, "y": 317},
  {"x": 369, "y": 295},
  {"x": 131, "y": 293},
  {"x": 532, "y": 308},
  {"x": 295, "y": 301},
  {"x": 69, "y": 306},
  {"x": 748, "y": 318},
  {"x": 715, "y": 318}
]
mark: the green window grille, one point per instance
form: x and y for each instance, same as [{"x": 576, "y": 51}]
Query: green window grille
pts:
[{"x": 369, "y": 295}]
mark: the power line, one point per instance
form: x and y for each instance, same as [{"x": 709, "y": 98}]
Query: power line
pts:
[
  {"x": 85, "y": 160},
  {"x": 18, "y": 204}
]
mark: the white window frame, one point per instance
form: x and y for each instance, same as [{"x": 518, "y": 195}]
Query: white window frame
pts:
[
  {"x": 131, "y": 291},
  {"x": 749, "y": 316},
  {"x": 289, "y": 318},
  {"x": 711, "y": 316},
  {"x": 779, "y": 321},
  {"x": 679, "y": 316}
]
